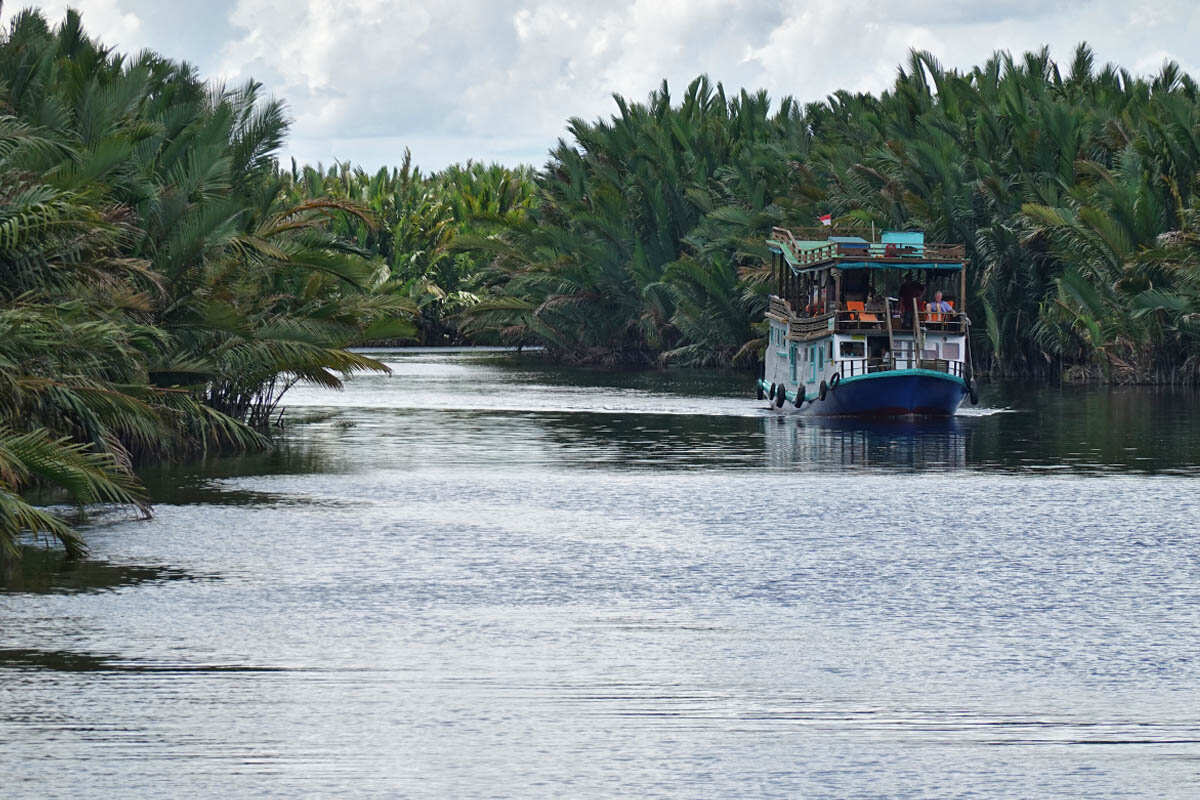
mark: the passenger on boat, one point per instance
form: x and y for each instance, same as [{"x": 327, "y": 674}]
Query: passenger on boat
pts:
[{"x": 938, "y": 305}]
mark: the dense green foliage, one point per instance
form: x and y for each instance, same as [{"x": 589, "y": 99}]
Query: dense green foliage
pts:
[
  {"x": 159, "y": 287},
  {"x": 647, "y": 238},
  {"x": 1074, "y": 192},
  {"x": 416, "y": 225}
]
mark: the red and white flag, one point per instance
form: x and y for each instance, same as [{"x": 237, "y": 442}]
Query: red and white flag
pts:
[{"x": 826, "y": 219}]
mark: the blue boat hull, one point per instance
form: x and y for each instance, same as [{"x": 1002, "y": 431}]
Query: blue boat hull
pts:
[{"x": 896, "y": 393}]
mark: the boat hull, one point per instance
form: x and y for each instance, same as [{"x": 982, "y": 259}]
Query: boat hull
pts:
[{"x": 895, "y": 393}]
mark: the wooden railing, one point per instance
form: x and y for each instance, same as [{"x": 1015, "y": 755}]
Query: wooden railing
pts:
[
  {"x": 813, "y": 251},
  {"x": 779, "y": 307},
  {"x": 808, "y": 327},
  {"x": 862, "y": 320},
  {"x": 942, "y": 320},
  {"x": 887, "y": 251},
  {"x": 876, "y": 320},
  {"x": 804, "y": 251}
]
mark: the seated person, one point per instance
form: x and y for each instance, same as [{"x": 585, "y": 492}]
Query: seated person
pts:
[{"x": 938, "y": 305}]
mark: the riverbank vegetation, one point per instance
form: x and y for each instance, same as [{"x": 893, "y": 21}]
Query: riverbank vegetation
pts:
[
  {"x": 160, "y": 286},
  {"x": 164, "y": 280},
  {"x": 415, "y": 224},
  {"x": 640, "y": 242},
  {"x": 1073, "y": 187}
]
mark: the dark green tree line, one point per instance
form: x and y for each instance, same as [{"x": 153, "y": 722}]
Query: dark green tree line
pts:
[
  {"x": 159, "y": 287},
  {"x": 1074, "y": 191}
]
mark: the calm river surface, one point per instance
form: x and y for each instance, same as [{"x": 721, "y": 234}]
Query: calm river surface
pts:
[{"x": 480, "y": 577}]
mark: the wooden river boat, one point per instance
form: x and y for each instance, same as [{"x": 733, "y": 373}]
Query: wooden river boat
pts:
[{"x": 851, "y": 333}]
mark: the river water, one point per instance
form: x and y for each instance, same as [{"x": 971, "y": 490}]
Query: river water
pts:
[{"x": 482, "y": 577}]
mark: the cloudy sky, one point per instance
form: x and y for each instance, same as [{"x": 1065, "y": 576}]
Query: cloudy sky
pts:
[{"x": 495, "y": 80}]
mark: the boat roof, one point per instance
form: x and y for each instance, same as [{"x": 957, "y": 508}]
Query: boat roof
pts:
[{"x": 896, "y": 250}]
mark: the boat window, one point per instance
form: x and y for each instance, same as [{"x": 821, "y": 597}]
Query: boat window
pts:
[
  {"x": 950, "y": 351},
  {"x": 853, "y": 349}
]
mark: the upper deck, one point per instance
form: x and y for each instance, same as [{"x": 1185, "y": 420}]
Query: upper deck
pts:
[
  {"x": 895, "y": 250},
  {"x": 847, "y": 283}
]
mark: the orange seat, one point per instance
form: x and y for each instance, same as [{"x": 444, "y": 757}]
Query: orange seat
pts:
[
  {"x": 855, "y": 305},
  {"x": 865, "y": 317}
]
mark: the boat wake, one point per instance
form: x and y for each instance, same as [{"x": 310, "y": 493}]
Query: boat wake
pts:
[{"x": 984, "y": 412}]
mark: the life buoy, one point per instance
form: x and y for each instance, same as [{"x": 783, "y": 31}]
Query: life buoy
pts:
[
  {"x": 780, "y": 396},
  {"x": 823, "y": 390},
  {"x": 799, "y": 397},
  {"x": 835, "y": 380},
  {"x": 771, "y": 393},
  {"x": 758, "y": 390}
]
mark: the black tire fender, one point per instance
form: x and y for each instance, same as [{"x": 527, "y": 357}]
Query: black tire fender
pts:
[
  {"x": 835, "y": 380},
  {"x": 780, "y": 396},
  {"x": 823, "y": 391},
  {"x": 771, "y": 392},
  {"x": 972, "y": 393},
  {"x": 758, "y": 391},
  {"x": 799, "y": 396}
]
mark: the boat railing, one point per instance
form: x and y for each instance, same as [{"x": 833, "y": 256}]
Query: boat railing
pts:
[
  {"x": 805, "y": 252},
  {"x": 850, "y": 367},
  {"x": 779, "y": 307},
  {"x": 886, "y": 251},
  {"x": 871, "y": 319},
  {"x": 860, "y": 320},
  {"x": 806, "y": 327},
  {"x": 942, "y": 320}
]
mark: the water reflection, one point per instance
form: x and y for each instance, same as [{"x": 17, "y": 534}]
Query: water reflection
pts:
[
  {"x": 204, "y": 481},
  {"x": 1091, "y": 430},
  {"x": 68, "y": 661},
  {"x": 44, "y": 571},
  {"x": 482, "y": 576},
  {"x": 486, "y": 407},
  {"x": 662, "y": 441},
  {"x": 792, "y": 443}
]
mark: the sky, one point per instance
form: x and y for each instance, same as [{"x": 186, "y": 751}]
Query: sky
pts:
[{"x": 497, "y": 80}]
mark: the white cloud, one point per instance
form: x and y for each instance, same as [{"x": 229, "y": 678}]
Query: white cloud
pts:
[
  {"x": 110, "y": 20},
  {"x": 497, "y": 79},
  {"x": 472, "y": 71}
]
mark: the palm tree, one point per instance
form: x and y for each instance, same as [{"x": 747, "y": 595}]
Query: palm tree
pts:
[{"x": 158, "y": 291}]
